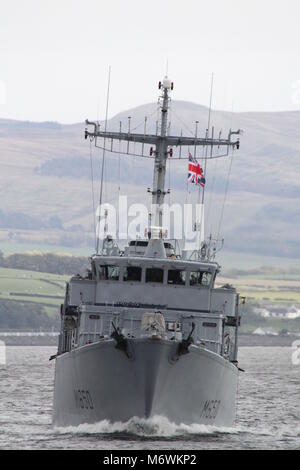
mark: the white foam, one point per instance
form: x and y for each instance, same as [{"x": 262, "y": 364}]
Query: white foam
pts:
[{"x": 157, "y": 426}]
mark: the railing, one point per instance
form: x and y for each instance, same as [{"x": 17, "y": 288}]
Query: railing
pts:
[
  {"x": 214, "y": 346},
  {"x": 90, "y": 337},
  {"x": 68, "y": 343},
  {"x": 131, "y": 327}
]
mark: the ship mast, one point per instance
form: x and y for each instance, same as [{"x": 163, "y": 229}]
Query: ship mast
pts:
[
  {"x": 161, "y": 155},
  {"x": 160, "y": 143}
]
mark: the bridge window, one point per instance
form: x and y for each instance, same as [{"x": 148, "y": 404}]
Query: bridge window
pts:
[
  {"x": 176, "y": 277},
  {"x": 200, "y": 278},
  {"x": 154, "y": 275},
  {"x": 138, "y": 243},
  {"x": 132, "y": 273},
  {"x": 109, "y": 273}
]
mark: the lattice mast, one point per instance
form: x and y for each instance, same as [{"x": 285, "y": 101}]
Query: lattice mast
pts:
[{"x": 161, "y": 147}]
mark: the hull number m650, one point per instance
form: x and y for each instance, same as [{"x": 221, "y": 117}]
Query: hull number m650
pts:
[
  {"x": 84, "y": 399},
  {"x": 210, "y": 409}
]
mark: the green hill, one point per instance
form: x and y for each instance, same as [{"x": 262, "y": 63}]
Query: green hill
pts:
[
  {"x": 30, "y": 300},
  {"x": 45, "y": 184}
]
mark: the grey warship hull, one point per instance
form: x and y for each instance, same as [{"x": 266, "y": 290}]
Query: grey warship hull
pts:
[
  {"x": 98, "y": 382},
  {"x": 148, "y": 331}
]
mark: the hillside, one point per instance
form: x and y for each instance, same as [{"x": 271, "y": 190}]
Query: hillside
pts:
[
  {"x": 45, "y": 183},
  {"x": 30, "y": 300}
]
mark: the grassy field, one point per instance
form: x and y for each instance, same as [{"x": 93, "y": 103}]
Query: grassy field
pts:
[
  {"x": 259, "y": 289},
  {"x": 232, "y": 259},
  {"x": 29, "y": 286},
  {"x": 276, "y": 324},
  {"x": 275, "y": 293},
  {"x": 47, "y": 290}
]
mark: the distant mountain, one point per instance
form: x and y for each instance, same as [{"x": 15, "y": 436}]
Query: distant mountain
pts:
[{"x": 46, "y": 168}]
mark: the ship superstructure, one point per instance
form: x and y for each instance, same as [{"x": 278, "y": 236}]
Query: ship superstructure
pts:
[{"x": 147, "y": 332}]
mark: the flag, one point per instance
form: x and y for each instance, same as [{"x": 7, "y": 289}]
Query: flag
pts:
[{"x": 195, "y": 174}]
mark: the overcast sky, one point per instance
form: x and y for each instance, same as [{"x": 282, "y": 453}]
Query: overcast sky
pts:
[{"x": 54, "y": 55}]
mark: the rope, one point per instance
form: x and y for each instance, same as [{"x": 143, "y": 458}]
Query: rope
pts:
[
  {"x": 227, "y": 181},
  {"x": 141, "y": 123},
  {"x": 208, "y": 130},
  {"x": 206, "y": 147},
  {"x": 93, "y": 194},
  {"x": 169, "y": 163},
  {"x": 188, "y": 192},
  {"x": 103, "y": 157},
  {"x": 212, "y": 187},
  {"x": 182, "y": 122},
  {"x": 225, "y": 195},
  {"x": 119, "y": 191}
]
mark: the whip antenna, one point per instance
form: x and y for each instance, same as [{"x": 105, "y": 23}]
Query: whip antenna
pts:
[
  {"x": 103, "y": 158},
  {"x": 206, "y": 148},
  {"x": 93, "y": 194}
]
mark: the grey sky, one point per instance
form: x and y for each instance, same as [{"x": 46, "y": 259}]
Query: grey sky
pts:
[{"x": 54, "y": 54}]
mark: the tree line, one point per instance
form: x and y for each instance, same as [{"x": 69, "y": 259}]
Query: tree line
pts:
[
  {"x": 47, "y": 263},
  {"x": 30, "y": 316}
]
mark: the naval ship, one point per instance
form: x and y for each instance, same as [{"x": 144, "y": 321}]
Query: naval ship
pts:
[{"x": 147, "y": 332}]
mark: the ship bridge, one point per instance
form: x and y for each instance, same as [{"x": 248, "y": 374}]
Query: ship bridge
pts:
[
  {"x": 180, "y": 285},
  {"x": 124, "y": 291}
]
